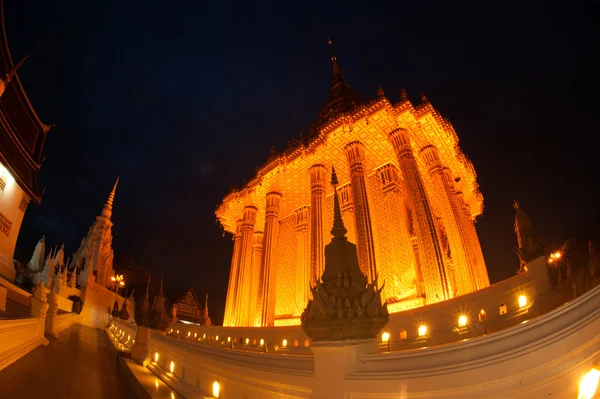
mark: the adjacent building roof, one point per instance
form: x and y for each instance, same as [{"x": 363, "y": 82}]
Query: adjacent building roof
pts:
[{"x": 22, "y": 133}]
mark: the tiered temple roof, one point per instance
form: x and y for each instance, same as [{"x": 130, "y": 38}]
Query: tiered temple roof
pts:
[
  {"x": 22, "y": 133},
  {"x": 347, "y": 117}
]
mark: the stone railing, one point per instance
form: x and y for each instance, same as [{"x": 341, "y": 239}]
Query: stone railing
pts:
[
  {"x": 124, "y": 332},
  {"x": 191, "y": 368},
  {"x": 543, "y": 356},
  {"x": 64, "y": 321},
  {"x": 291, "y": 339},
  {"x": 19, "y": 337},
  {"x": 488, "y": 310}
]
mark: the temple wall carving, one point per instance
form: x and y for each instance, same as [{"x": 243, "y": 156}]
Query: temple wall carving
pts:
[
  {"x": 411, "y": 216},
  {"x": 286, "y": 279}
]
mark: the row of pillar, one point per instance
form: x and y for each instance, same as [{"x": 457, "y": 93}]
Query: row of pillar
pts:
[{"x": 251, "y": 293}]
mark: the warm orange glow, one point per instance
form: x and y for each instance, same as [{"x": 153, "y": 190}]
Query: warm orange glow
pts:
[
  {"x": 217, "y": 338},
  {"x": 385, "y": 337},
  {"x": 228, "y": 339},
  {"x": 247, "y": 341},
  {"x": 216, "y": 389},
  {"x": 422, "y": 331},
  {"x": 284, "y": 343},
  {"x": 172, "y": 366},
  {"x": 156, "y": 357},
  {"x": 262, "y": 341},
  {"x": 522, "y": 301},
  {"x": 462, "y": 321},
  {"x": 291, "y": 188},
  {"x": 589, "y": 384}
]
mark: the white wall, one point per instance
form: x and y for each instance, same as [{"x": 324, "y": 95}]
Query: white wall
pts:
[
  {"x": 10, "y": 199},
  {"x": 544, "y": 356}
]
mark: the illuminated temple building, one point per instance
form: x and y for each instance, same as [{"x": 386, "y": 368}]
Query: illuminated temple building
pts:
[
  {"x": 409, "y": 198},
  {"x": 22, "y": 139}
]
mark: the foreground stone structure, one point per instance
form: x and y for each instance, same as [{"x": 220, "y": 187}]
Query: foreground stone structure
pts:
[
  {"x": 408, "y": 197},
  {"x": 344, "y": 305}
]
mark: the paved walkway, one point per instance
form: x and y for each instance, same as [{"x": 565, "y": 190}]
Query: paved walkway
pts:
[{"x": 81, "y": 363}]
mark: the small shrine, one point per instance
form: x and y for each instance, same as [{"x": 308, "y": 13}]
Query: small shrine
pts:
[{"x": 188, "y": 309}]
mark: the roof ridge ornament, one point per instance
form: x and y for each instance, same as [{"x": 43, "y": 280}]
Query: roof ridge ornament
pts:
[{"x": 403, "y": 95}]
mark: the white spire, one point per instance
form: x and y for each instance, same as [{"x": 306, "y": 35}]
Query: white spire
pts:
[{"x": 36, "y": 264}]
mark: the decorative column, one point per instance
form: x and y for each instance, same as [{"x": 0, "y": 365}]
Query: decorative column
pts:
[
  {"x": 39, "y": 307},
  {"x": 405, "y": 265},
  {"x": 302, "y": 288},
  {"x": 318, "y": 180},
  {"x": 451, "y": 215},
  {"x": 51, "y": 315},
  {"x": 245, "y": 268},
  {"x": 230, "y": 304},
  {"x": 268, "y": 267},
  {"x": 431, "y": 257},
  {"x": 481, "y": 273},
  {"x": 257, "y": 250},
  {"x": 355, "y": 153}
]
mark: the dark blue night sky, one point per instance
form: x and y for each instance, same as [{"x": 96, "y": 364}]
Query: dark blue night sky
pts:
[{"x": 182, "y": 98}]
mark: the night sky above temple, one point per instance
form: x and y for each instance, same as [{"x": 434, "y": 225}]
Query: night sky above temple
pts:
[{"x": 182, "y": 100}]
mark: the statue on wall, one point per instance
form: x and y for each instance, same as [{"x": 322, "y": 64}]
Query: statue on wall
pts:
[{"x": 529, "y": 247}]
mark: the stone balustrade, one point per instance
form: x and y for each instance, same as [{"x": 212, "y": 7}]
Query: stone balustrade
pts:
[
  {"x": 544, "y": 354},
  {"x": 290, "y": 339},
  {"x": 18, "y": 337},
  {"x": 124, "y": 332},
  {"x": 488, "y": 310}
]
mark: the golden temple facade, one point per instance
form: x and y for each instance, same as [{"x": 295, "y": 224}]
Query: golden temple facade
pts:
[{"x": 409, "y": 198}]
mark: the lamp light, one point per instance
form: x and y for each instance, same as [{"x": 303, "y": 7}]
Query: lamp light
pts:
[
  {"x": 284, "y": 343},
  {"x": 156, "y": 357},
  {"x": 385, "y": 337},
  {"x": 462, "y": 321},
  {"x": 522, "y": 301},
  {"x": 216, "y": 388},
  {"x": 589, "y": 384},
  {"x": 262, "y": 341},
  {"x": 422, "y": 330},
  {"x": 172, "y": 366}
]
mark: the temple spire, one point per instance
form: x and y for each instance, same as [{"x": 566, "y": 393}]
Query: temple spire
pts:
[
  {"x": 107, "y": 210},
  {"x": 341, "y": 98},
  {"x": 339, "y": 230},
  {"x": 338, "y": 79}
]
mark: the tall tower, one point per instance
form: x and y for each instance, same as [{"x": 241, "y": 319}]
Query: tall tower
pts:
[{"x": 95, "y": 254}]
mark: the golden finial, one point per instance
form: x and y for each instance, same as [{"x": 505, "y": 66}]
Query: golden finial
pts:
[
  {"x": 403, "y": 95},
  {"x": 333, "y": 58}
]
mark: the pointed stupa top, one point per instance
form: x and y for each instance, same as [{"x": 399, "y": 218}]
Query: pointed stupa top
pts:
[
  {"x": 339, "y": 230},
  {"x": 341, "y": 97},
  {"x": 59, "y": 258},
  {"x": 36, "y": 263},
  {"x": 107, "y": 210},
  {"x": 146, "y": 296},
  {"x": 206, "y": 306}
]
